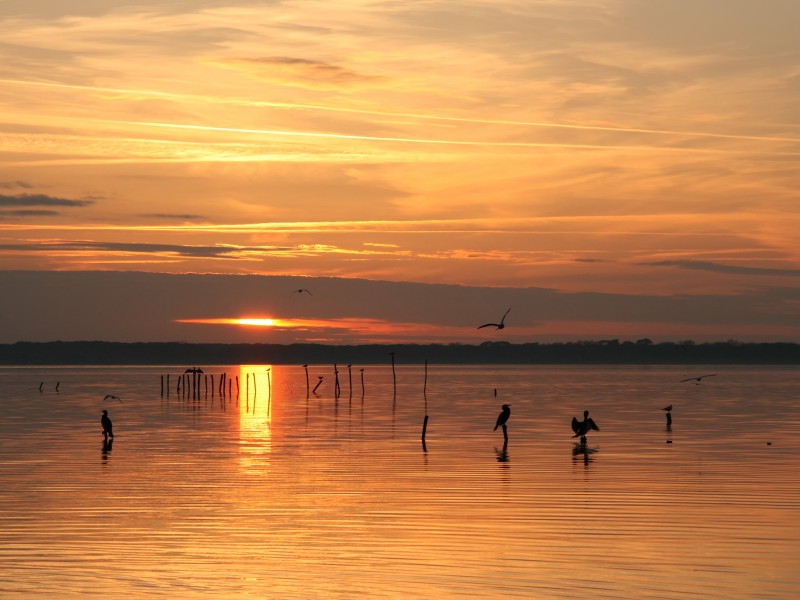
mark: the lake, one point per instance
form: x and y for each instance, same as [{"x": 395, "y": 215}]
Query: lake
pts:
[{"x": 270, "y": 493}]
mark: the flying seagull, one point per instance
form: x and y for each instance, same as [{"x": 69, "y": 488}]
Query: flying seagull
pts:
[
  {"x": 110, "y": 397},
  {"x": 499, "y": 325},
  {"x": 697, "y": 379},
  {"x": 301, "y": 291},
  {"x": 106, "y": 423},
  {"x": 581, "y": 428},
  {"x": 502, "y": 418}
]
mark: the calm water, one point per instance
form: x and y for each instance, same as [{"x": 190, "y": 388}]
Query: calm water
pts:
[{"x": 269, "y": 494}]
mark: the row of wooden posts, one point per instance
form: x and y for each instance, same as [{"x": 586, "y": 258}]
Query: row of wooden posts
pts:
[{"x": 190, "y": 383}]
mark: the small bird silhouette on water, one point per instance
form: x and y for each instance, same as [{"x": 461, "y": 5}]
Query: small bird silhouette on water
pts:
[
  {"x": 106, "y": 423},
  {"x": 302, "y": 291},
  {"x": 499, "y": 325},
  {"x": 667, "y": 408},
  {"x": 697, "y": 380},
  {"x": 502, "y": 418},
  {"x": 110, "y": 397},
  {"x": 581, "y": 428}
]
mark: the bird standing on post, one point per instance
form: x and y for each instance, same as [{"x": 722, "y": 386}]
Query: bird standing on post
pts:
[
  {"x": 502, "y": 418},
  {"x": 668, "y": 410},
  {"x": 106, "y": 423}
]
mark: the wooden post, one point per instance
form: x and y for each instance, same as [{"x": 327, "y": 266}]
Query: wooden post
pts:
[
  {"x": 162, "y": 386},
  {"x": 350, "y": 381},
  {"x": 308, "y": 387},
  {"x": 505, "y": 433}
]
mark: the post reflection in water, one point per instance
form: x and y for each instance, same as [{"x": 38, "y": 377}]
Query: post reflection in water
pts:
[{"x": 255, "y": 419}]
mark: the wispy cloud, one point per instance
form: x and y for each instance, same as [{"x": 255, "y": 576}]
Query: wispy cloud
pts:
[
  {"x": 10, "y": 185},
  {"x": 699, "y": 265},
  {"x": 299, "y": 72},
  {"x": 216, "y": 251},
  {"x": 173, "y": 216},
  {"x": 40, "y": 200}
]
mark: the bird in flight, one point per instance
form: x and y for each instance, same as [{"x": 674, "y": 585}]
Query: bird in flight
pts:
[
  {"x": 302, "y": 291},
  {"x": 502, "y": 418},
  {"x": 697, "y": 379},
  {"x": 499, "y": 325},
  {"x": 581, "y": 428},
  {"x": 106, "y": 423},
  {"x": 110, "y": 397}
]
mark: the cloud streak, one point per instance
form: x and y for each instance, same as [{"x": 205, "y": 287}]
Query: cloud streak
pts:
[{"x": 40, "y": 200}]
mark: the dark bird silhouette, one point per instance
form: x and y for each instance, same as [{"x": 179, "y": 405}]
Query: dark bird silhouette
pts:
[
  {"x": 193, "y": 370},
  {"x": 110, "y": 397},
  {"x": 697, "y": 379},
  {"x": 581, "y": 428},
  {"x": 302, "y": 291},
  {"x": 499, "y": 325},
  {"x": 106, "y": 423},
  {"x": 668, "y": 410},
  {"x": 502, "y": 418}
]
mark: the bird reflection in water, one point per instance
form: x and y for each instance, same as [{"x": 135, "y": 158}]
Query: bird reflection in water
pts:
[
  {"x": 502, "y": 455},
  {"x": 582, "y": 450},
  {"x": 108, "y": 443}
]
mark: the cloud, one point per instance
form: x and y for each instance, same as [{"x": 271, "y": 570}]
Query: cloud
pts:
[
  {"x": 700, "y": 265},
  {"x": 173, "y": 216},
  {"x": 28, "y": 213},
  {"x": 298, "y": 72},
  {"x": 174, "y": 249},
  {"x": 40, "y": 200},
  {"x": 9, "y": 185}
]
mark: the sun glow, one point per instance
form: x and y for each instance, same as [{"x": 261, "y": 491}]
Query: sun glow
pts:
[{"x": 256, "y": 322}]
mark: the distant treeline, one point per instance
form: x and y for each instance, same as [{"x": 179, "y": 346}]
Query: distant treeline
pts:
[{"x": 579, "y": 352}]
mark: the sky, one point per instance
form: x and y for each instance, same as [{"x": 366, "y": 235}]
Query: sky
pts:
[{"x": 606, "y": 169}]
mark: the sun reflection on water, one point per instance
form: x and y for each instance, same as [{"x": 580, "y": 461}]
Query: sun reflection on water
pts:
[{"x": 255, "y": 418}]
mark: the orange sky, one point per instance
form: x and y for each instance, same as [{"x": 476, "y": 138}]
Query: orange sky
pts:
[{"x": 643, "y": 149}]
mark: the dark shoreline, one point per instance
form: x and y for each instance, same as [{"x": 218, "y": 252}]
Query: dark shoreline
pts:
[{"x": 642, "y": 352}]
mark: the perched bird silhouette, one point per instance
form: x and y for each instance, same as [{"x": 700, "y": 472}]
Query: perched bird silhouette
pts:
[
  {"x": 499, "y": 325},
  {"x": 302, "y": 291},
  {"x": 697, "y": 379},
  {"x": 581, "y": 428},
  {"x": 106, "y": 423},
  {"x": 193, "y": 370},
  {"x": 668, "y": 409},
  {"x": 502, "y": 418},
  {"x": 110, "y": 397}
]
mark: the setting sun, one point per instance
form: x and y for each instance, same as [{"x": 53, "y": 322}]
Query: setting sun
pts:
[{"x": 256, "y": 322}]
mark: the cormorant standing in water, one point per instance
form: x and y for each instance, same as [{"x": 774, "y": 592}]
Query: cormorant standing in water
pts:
[
  {"x": 581, "y": 428},
  {"x": 106, "y": 423},
  {"x": 502, "y": 418}
]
